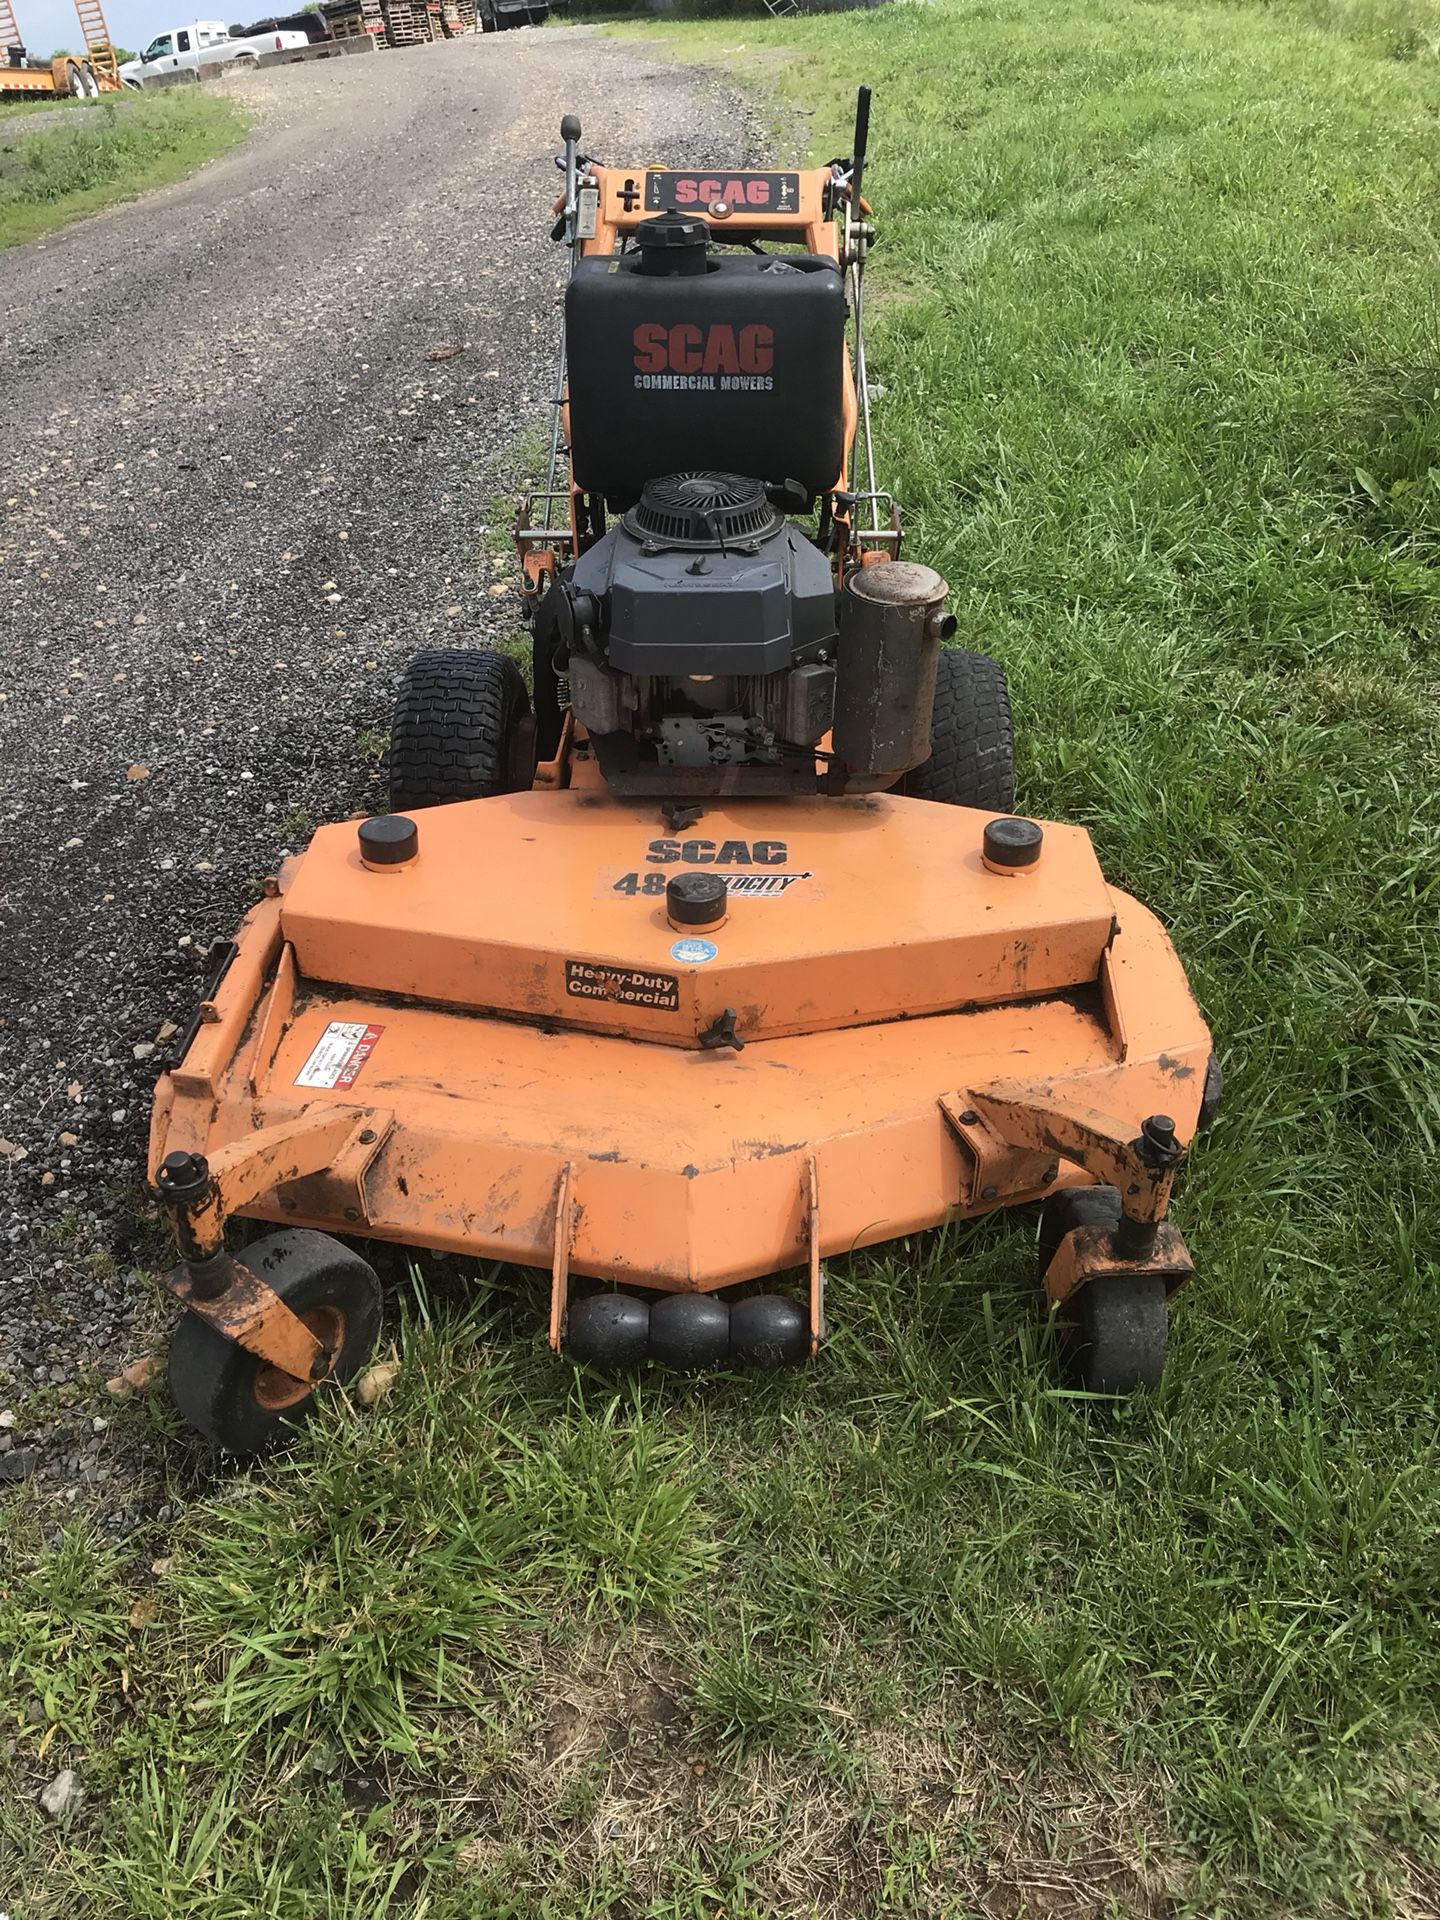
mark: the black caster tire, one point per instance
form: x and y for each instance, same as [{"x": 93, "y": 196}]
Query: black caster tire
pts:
[
  {"x": 690, "y": 1331},
  {"x": 972, "y": 737},
  {"x": 232, "y": 1397},
  {"x": 769, "y": 1330},
  {"x": 463, "y": 730},
  {"x": 1115, "y": 1329},
  {"x": 609, "y": 1330}
]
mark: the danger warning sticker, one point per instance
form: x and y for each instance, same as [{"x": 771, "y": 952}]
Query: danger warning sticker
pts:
[
  {"x": 339, "y": 1054},
  {"x": 628, "y": 986}
]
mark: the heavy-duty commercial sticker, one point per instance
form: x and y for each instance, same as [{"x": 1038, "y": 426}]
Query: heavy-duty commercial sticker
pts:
[
  {"x": 626, "y": 986},
  {"x": 339, "y": 1054}
]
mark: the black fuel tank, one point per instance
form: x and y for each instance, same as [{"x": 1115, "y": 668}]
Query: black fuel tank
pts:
[{"x": 739, "y": 368}]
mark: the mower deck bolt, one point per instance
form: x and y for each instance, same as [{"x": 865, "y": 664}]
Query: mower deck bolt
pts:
[
  {"x": 1011, "y": 845},
  {"x": 367, "y": 1137},
  {"x": 696, "y": 900},
  {"x": 389, "y": 840},
  {"x": 969, "y": 1118},
  {"x": 988, "y": 1193}
]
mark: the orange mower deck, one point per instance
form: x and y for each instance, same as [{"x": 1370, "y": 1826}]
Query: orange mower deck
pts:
[{"x": 497, "y": 1048}]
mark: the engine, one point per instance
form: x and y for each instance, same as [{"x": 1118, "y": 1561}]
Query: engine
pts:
[{"x": 701, "y": 636}]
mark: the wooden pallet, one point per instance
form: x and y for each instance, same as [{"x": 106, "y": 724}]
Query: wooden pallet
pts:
[{"x": 406, "y": 24}]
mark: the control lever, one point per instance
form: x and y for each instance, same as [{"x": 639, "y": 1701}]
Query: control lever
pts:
[
  {"x": 564, "y": 228},
  {"x": 862, "y": 141}
]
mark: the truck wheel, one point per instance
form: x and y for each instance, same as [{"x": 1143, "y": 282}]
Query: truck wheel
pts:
[
  {"x": 972, "y": 737},
  {"x": 76, "y": 84},
  {"x": 463, "y": 730},
  {"x": 231, "y": 1395}
]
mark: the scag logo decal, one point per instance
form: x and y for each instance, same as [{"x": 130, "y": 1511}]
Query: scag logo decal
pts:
[
  {"x": 760, "y": 192},
  {"x": 695, "y": 359},
  {"x": 688, "y": 348},
  {"x": 727, "y": 853}
]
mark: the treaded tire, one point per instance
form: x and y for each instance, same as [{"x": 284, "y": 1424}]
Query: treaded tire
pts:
[
  {"x": 462, "y": 730},
  {"x": 972, "y": 737},
  {"x": 230, "y": 1395}
]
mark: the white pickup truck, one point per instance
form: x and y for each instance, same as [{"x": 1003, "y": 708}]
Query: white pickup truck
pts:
[{"x": 204, "y": 43}]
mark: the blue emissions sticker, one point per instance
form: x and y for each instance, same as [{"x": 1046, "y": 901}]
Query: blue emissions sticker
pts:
[{"x": 693, "y": 953}]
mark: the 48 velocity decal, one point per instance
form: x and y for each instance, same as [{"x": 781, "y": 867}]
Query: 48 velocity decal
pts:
[{"x": 764, "y": 885}]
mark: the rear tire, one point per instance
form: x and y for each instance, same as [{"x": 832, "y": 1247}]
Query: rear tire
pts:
[
  {"x": 463, "y": 730},
  {"x": 972, "y": 737},
  {"x": 230, "y": 1395}
]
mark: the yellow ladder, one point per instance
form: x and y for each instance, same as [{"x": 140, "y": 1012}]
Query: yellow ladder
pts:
[
  {"x": 99, "y": 51},
  {"x": 9, "y": 27}
]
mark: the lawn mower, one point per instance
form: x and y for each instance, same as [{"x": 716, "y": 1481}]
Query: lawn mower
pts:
[{"x": 716, "y": 951}]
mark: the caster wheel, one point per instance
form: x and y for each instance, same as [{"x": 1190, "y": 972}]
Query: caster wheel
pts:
[
  {"x": 232, "y": 1396},
  {"x": 1070, "y": 1208},
  {"x": 689, "y": 1330},
  {"x": 608, "y": 1330},
  {"x": 1114, "y": 1331},
  {"x": 768, "y": 1330}
]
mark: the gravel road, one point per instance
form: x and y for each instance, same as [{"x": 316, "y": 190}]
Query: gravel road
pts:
[{"x": 235, "y": 496}]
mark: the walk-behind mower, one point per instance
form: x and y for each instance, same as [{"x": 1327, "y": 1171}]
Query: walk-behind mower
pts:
[{"x": 717, "y": 952}]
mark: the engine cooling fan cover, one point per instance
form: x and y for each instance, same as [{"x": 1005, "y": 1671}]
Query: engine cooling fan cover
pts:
[{"x": 702, "y": 510}]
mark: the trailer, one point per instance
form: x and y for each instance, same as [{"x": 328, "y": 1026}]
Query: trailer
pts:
[{"x": 68, "y": 75}]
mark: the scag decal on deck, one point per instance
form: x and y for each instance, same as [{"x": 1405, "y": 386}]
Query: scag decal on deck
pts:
[
  {"x": 627, "y": 986},
  {"x": 666, "y": 192},
  {"x": 717, "y": 853},
  {"x": 339, "y": 1054}
]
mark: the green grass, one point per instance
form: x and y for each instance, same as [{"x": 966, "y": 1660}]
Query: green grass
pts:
[
  {"x": 916, "y": 1633},
  {"x": 111, "y": 151}
]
